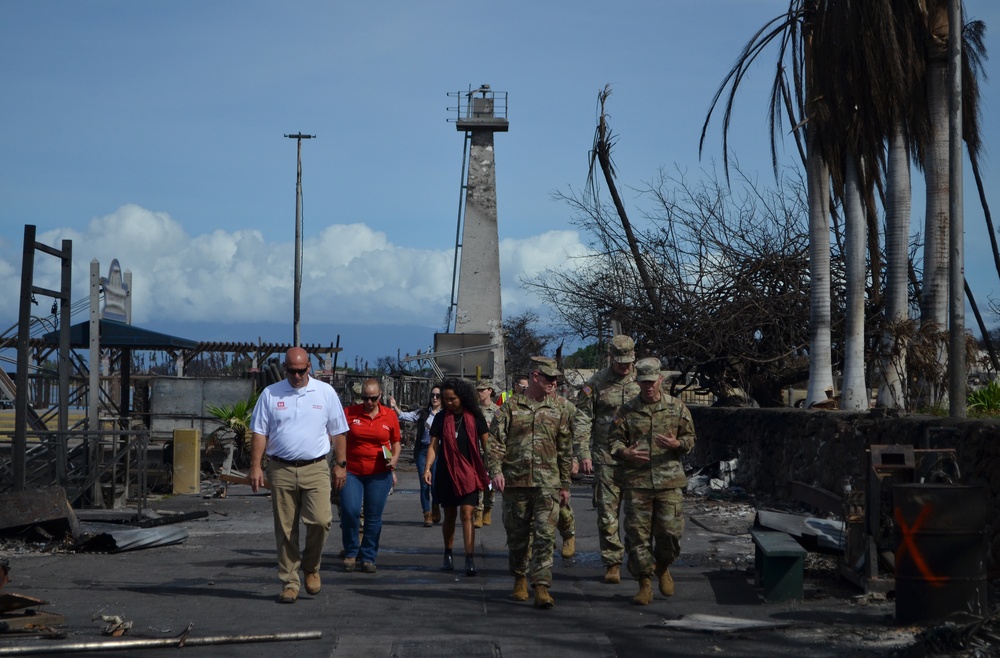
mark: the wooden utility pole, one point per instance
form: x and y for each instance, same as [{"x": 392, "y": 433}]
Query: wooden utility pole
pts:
[{"x": 296, "y": 304}]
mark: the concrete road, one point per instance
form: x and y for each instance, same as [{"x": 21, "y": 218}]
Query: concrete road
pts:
[{"x": 223, "y": 581}]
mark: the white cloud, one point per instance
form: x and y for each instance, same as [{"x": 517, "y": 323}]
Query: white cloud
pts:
[
  {"x": 526, "y": 258},
  {"x": 352, "y": 274}
]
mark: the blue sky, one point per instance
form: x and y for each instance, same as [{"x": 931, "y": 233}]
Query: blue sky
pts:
[{"x": 152, "y": 132}]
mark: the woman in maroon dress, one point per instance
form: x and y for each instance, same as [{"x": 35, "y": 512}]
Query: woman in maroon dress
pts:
[{"x": 458, "y": 439}]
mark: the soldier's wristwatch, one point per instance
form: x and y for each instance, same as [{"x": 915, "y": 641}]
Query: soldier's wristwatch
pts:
[{"x": 342, "y": 464}]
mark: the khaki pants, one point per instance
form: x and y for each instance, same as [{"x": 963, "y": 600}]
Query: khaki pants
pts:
[{"x": 300, "y": 493}]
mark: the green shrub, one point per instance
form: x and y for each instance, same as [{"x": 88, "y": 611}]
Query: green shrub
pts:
[{"x": 986, "y": 399}]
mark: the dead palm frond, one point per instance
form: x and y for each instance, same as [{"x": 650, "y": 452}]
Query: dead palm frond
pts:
[{"x": 601, "y": 154}]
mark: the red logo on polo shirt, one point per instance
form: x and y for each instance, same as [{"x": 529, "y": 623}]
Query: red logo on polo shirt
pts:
[{"x": 281, "y": 404}]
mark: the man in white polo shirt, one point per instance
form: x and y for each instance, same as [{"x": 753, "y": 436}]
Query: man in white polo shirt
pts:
[{"x": 295, "y": 423}]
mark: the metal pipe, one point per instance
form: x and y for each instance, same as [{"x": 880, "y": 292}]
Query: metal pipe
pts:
[
  {"x": 453, "y": 308},
  {"x": 156, "y": 643}
]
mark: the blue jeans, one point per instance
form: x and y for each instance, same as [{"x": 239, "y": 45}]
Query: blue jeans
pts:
[
  {"x": 426, "y": 490},
  {"x": 371, "y": 491}
]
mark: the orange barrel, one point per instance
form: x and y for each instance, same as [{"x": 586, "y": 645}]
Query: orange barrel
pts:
[{"x": 941, "y": 551}]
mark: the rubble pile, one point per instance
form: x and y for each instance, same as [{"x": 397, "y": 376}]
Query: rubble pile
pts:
[{"x": 974, "y": 638}]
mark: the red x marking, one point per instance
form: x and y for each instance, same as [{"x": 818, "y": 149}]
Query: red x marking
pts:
[{"x": 907, "y": 545}]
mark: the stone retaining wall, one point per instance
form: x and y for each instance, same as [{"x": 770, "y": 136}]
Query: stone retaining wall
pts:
[{"x": 823, "y": 448}]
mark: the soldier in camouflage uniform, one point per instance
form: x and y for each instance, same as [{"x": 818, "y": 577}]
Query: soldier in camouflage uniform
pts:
[
  {"x": 581, "y": 463},
  {"x": 599, "y": 399},
  {"x": 484, "y": 512},
  {"x": 531, "y": 455},
  {"x": 648, "y": 436}
]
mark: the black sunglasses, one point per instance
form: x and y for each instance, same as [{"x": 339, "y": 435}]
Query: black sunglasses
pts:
[
  {"x": 370, "y": 398},
  {"x": 435, "y": 395},
  {"x": 297, "y": 371},
  {"x": 549, "y": 378}
]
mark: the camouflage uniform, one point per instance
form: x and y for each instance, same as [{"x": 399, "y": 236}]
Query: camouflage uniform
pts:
[
  {"x": 580, "y": 426},
  {"x": 652, "y": 490},
  {"x": 531, "y": 444},
  {"x": 599, "y": 399},
  {"x": 486, "y": 497}
]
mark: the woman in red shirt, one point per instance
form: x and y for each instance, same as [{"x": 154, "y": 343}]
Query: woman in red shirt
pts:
[
  {"x": 372, "y": 452},
  {"x": 459, "y": 438}
]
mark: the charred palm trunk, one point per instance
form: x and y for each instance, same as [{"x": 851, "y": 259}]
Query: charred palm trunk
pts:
[
  {"x": 854, "y": 392},
  {"x": 897, "y": 231},
  {"x": 602, "y": 150}
]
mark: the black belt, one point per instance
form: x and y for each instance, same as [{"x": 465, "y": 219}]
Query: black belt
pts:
[{"x": 297, "y": 462}]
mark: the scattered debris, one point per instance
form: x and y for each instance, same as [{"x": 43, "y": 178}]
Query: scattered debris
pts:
[
  {"x": 44, "y": 508},
  {"x": 149, "y": 518},
  {"x": 816, "y": 534},
  {"x": 234, "y": 477},
  {"x": 44, "y": 514},
  {"x": 734, "y": 525},
  {"x": 31, "y": 622},
  {"x": 978, "y": 637},
  {"x": 17, "y": 614},
  {"x": 10, "y": 601},
  {"x": 817, "y": 498},
  {"x": 115, "y": 538},
  {"x": 871, "y": 598},
  {"x": 184, "y": 640},
  {"x": 116, "y": 625},
  {"x": 715, "y": 477},
  {"x": 698, "y": 623},
  {"x": 167, "y": 519}
]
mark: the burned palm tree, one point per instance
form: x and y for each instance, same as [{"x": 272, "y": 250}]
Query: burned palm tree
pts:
[
  {"x": 600, "y": 154},
  {"x": 793, "y": 99},
  {"x": 854, "y": 77}
]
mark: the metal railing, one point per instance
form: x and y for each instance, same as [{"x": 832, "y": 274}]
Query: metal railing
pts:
[
  {"x": 93, "y": 467},
  {"x": 481, "y": 104}
]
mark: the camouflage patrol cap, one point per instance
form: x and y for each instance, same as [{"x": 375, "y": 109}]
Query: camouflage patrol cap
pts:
[
  {"x": 622, "y": 349},
  {"x": 647, "y": 370},
  {"x": 484, "y": 384},
  {"x": 545, "y": 365}
]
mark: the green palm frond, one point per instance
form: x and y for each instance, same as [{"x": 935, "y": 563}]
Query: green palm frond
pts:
[{"x": 235, "y": 417}]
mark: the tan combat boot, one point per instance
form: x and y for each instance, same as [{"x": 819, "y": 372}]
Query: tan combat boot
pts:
[
  {"x": 477, "y": 519},
  {"x": 645, "y": 595},
  {"x": 487, "y": 517},
  {"x": 428, "y": 522},
  {"x": 520, "y": 588},
  {"x": 569, "y": 547},
  {"x": 543, "y": 599},
  {"x": 666, "y": 580},
  {"x": 613, "y": 575}
]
